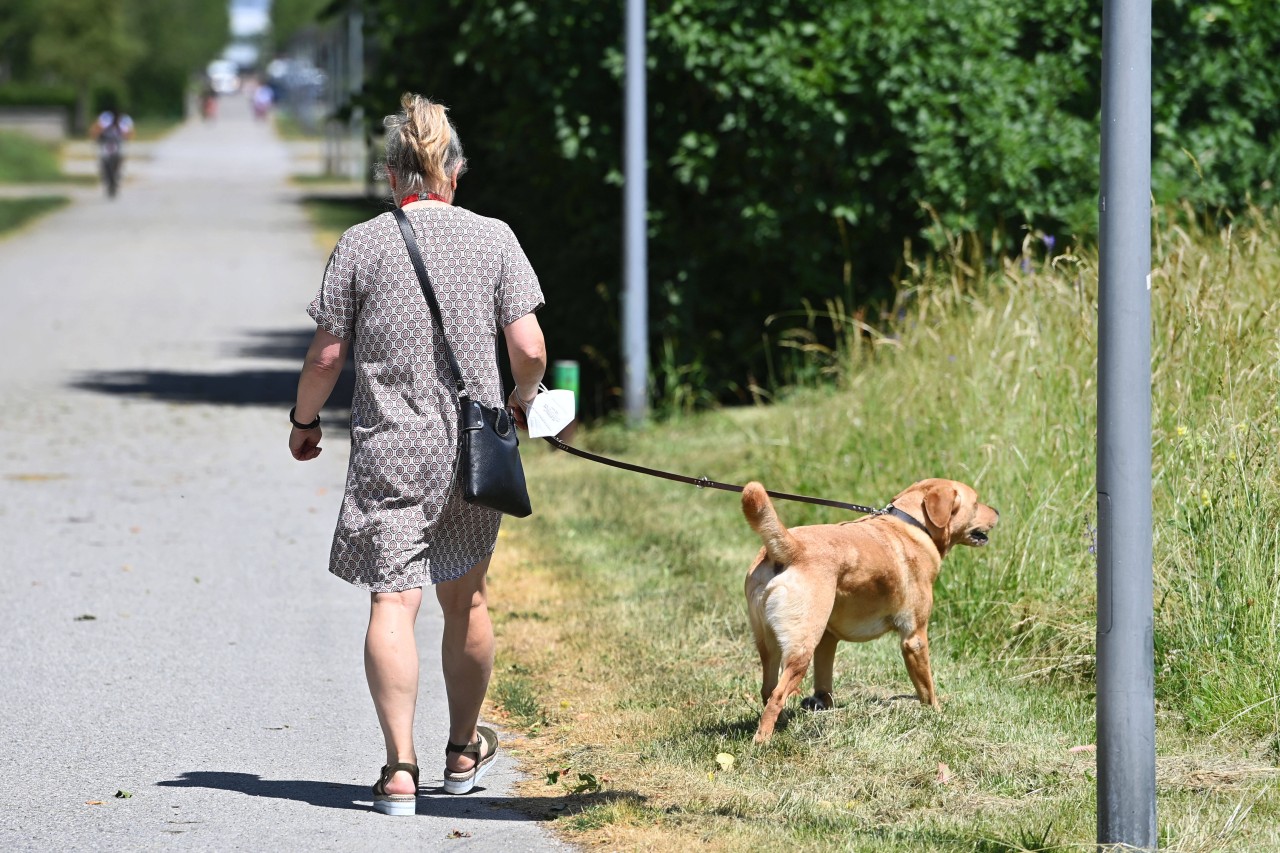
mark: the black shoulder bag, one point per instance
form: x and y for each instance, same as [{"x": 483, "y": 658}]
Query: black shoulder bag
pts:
[{"x": 488, "y": 449}]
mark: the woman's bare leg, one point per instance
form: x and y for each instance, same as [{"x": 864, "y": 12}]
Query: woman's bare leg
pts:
[
  {"x": 391, "y": 666},
  {"x": 466, "y": 652}
]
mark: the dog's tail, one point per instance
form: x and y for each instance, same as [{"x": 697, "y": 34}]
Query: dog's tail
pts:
[{"x": 780, "y": 545}]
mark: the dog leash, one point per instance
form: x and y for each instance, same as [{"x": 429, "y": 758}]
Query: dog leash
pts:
[{"x": 704, "y": 483}]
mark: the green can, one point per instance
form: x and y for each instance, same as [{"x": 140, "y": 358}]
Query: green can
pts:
[{"x": 564, "y": 377}]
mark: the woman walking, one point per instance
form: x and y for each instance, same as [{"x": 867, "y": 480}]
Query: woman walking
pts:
[{"x": 403, "y": 524}]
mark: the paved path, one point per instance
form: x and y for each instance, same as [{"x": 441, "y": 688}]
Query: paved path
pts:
[{"x": 167, "y": 624}]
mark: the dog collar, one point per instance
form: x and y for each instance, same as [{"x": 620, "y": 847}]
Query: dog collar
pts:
[{"x": 909, "y": 519}]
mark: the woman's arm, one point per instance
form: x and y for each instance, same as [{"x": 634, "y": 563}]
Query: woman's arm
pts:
[
  {"x": 320, "y": 371},
  {"x": 528, "y": 352}
]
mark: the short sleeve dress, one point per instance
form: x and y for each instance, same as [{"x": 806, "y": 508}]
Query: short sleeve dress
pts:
[{"x": 402, "y": 523}]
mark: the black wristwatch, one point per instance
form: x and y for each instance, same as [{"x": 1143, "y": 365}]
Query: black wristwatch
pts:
[{"x": 311, "y": 425}]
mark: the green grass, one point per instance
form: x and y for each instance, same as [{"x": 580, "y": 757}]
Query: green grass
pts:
[
  {"x": 332, "y": 216},
  {"x": 24, "y": 160},
  {"x": 154, "y": 128},
  {"x": 325, "y": 181},
  {"x": 290, "y": 129},
  {"x": 648, "y": 671},
  {"x": 16, "y": 212},
  {"x": 517, "y": 695},
  {"x": 27, "y": 160}
]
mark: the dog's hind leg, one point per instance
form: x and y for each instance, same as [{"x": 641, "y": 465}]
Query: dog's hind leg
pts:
[
  {"x": 788, "y": 685},
  {"x": 766, "y": 645},
  {"x": 798, "y": 622},
  {"x": 770, "y": 662},
  {"x": 824, "y": 662}
]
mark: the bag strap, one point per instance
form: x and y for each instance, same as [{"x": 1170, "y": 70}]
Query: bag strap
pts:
[{"x": 406, "y": 231}]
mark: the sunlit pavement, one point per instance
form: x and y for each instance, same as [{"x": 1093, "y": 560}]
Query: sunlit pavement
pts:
[{"x": 178, "y": 670}]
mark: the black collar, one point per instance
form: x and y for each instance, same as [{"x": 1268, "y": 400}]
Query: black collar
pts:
[{"x": 909, "y": 519}]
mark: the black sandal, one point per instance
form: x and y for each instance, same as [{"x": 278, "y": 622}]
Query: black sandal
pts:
[
  {"x": 395, "y": 804},
  {"x": 482, "y": 750}
]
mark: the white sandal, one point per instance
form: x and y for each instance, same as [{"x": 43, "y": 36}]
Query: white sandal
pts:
[
  {"x": 395, "y": 804},
  {"x": 482, "y": 750}
]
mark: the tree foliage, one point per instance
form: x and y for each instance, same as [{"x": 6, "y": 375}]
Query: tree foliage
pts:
[
  {"x": 180, "y": 38},
  {"x": 84, "y": 43},
  {"x": 1216, "y": 129},
  {"x": 290, "y": 17},
  {"x": 140, "y": 52},
  {"x": 794, "y": 145}
]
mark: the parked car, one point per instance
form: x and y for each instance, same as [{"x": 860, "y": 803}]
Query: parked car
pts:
[{"x": 224, "y": 76}]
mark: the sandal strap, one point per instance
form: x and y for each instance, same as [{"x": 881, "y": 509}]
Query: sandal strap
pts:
[
  {"x": 485, "y": 737},
  {"x": 389, "y": 770},
  {"x": 472, "y": 748}
]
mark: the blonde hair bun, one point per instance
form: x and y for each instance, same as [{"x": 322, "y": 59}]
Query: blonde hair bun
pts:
[{"x": 423, "y": 149}]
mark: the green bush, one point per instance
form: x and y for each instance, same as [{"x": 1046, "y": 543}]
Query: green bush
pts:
[
  {"x": 1216, "y": 132},
  {"x": 138, "y": 55},
  {"x": 795, "y": 146},
  {"x": 21, "y": 95},
  {"x": 157, "y": 85}
]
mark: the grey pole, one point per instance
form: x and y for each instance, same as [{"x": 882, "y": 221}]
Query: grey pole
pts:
[
  {"x": 1126, "y": 679},
  {"x": 635, "y": 300},
  {"x": 355, "y": 50}
]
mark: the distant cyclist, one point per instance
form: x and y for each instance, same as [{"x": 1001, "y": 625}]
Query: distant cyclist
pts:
[{"x": 111, "y": 130}]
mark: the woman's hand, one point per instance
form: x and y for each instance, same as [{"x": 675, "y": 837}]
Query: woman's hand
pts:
[
  {"x": 304, "y": 444},
  {"x": 518, "y": 407},
  {"x": 320, "y": 371}
]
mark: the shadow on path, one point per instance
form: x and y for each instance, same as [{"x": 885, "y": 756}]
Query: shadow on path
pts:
[
  {"x": 282, "y": 344},
  {"x": 431, "y": 801},
  {"x": 249, "y": 387},
  {"x": 325, "y": 794}
]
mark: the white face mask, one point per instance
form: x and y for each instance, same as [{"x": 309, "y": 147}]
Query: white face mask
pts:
[{"x": 550, "y": 412}]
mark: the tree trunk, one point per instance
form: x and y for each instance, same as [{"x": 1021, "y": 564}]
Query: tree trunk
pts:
[{"x": 80, "y": 119}]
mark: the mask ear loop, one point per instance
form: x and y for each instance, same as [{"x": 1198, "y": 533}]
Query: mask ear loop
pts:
[{"x": 542, "y": 389}]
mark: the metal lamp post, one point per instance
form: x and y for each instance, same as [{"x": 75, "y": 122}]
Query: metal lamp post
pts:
[
  {"x": 635, "y": 301},
  {"x": 1126, "y": 680}
]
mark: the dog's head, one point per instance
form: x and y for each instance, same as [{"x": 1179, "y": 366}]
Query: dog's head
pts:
[{"x": 950, "y": 511}]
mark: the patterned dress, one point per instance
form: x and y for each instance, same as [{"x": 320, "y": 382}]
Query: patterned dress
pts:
[{"x": 402, "y": 523}]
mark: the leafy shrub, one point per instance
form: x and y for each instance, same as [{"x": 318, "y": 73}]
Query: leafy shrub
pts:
[
  {"x": 795, "y": 145},
  {"x": 20, "y": 95}
]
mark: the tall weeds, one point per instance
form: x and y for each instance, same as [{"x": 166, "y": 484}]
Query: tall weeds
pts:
[
  {"x": 982, "y": 370},
  {"x": 986, "y": 371}
]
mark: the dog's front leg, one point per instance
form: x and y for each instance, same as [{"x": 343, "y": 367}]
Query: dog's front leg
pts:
[
  {"x": 915, "y": 653},
  {"x": 824, "y": 664}
]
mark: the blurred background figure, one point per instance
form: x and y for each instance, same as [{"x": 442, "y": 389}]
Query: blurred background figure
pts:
[
  {"x": 110, "y": 131},
  {"x": 263, "y": 97},
  {"x": 208, "y": 100}
]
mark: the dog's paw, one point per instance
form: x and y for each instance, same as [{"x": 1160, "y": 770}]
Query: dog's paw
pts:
[{"x": 817, "y": 702}]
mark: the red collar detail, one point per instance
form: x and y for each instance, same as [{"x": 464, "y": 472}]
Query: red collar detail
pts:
[{"x": 410, "y": 199}]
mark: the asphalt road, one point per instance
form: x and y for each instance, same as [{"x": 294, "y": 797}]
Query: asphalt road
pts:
[{"x": 168, "y": 627}]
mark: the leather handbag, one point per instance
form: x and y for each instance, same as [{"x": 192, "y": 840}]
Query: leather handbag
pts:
[{"x": 488, "y": 447}]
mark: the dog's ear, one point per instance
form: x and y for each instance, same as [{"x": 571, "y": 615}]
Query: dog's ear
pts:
[{"x": 940, "y": 503}]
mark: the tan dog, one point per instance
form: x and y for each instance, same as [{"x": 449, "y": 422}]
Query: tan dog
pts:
[{"x": 812, "y": 587}]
